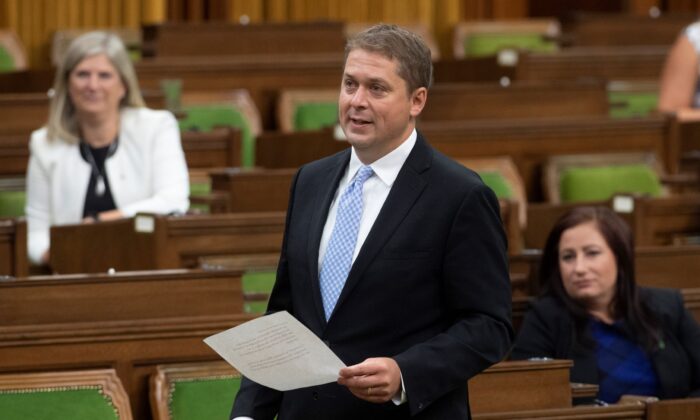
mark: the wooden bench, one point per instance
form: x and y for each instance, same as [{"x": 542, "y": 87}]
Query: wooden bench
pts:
[
  {"x": 127, "y": 321},
  {"x": 529, "y": 142},
  {"x": 603, "y": 63},
  {"x": 619, "y": 29},
  {"x": 262, "y": 75},
  {"x": 466, "y": 101},
  {"x": 148, "y": 242},
  {"x": 672, "y": 220}
]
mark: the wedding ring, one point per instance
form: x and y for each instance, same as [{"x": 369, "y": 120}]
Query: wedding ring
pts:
[{"x": 369, "y": 391}]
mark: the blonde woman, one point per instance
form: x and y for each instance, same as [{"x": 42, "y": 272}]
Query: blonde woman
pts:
[{"x": 102, "y": 155}]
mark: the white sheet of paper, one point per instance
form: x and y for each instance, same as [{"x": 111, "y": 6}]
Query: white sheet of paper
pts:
[{"x": 277, "y": 351}]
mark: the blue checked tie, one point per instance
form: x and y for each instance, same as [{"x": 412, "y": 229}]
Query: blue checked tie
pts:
[{"x": 338, "y": 259}]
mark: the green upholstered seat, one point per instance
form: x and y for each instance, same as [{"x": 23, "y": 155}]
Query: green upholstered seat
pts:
[
  {"x": 12, "y": 203},
  {"x": 257, "y": 282},
  {"x": 316, "y": 115},
  {"x": 7, "y": 62},
  {"x": 206, "y": 398},
  {"x": 485, "y": 44},
  {"x": 206, "y": 117},
  {"x": 602, "y": 182},
  {"x": 497, "y": 183},
  {"x": 632, "y": 104},
  {"x": 62, "y": 403}
]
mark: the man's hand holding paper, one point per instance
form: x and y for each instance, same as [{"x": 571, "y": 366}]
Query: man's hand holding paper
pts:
[{"x": 277, "y": 351}]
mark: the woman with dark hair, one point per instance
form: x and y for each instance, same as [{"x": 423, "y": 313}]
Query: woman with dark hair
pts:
[{"x": 626, "y": 339}]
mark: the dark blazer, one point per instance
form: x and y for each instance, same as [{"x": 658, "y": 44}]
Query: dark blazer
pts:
[
  {"x": 429, "y": 288},
  {"x": 548, "y": 331}
]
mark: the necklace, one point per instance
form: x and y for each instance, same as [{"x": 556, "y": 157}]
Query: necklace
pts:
[{"x": 100, "y": 186}]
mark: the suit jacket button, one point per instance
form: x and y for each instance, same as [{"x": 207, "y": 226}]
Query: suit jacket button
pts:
[
  {"x": 315, "y": 395},
  {"x": 420, "y": 406}
]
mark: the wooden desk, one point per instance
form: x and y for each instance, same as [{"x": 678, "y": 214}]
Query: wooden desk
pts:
[
  {"x": 149, "y": 242},
  {"x": 214, "y": 149},
  {"x": 130, "y": 322},
  {"x": 521, "y": 385},
  {"x": 601, "y": 63},
  {"x": 471, "y": 101},
  {"x": 292, "y": 150},
  {"x": 253, "y": 190}
]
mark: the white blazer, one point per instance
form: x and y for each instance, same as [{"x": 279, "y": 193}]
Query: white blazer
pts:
[{"x": 147, "y": 173}]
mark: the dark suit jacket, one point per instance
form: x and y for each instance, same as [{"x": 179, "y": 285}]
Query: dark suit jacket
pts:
[
  {"x": 548, "y": 331},
  {"x": 429, "y": 288}
]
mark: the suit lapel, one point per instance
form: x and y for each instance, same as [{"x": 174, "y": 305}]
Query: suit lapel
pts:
[
  {"x": 324, "y": 197},
  {"x": 408, "y": 186}
]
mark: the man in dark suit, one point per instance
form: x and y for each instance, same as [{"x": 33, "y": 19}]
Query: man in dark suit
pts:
[{"x": 393, "y": 254}]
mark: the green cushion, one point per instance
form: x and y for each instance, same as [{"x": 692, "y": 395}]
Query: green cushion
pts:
[
  {"x": 635, "y": 104},
  {"x": 203, "y": 399},
  {"x": 601, "y": 183},
  {"x": 198, "y": 189},
  {"x": 7, "y": 62},
  {"x": 497, "y": 183},
  {"x": 60, "y": 404},
  {"x": 207, "y": 117},
  {"x": 257, "y": 282},
  {"x": 479, "y": 45},
  {"x": 315, "y": 115},
  {"x": 12, "y": 203}
]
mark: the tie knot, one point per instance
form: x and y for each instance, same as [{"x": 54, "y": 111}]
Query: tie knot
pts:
[{"x": 363, "y": 174}]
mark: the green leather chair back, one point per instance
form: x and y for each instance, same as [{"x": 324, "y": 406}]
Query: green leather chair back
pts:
[
  {"x": 7, "y": 62},
  {"x": 207, "y": 398},
  {"x": 497, "y": 183},
  {"x": 206, "y": 117},
  {"x": 632, "y": 104},
  {"x": 316, "y": 115},
  {"x": 12, "y": 203},
  {"x": 257, "y": 282},
  {"x": 61, "y": 403},
  {"x": 486, "y": 44},
  {"x": 602, "y": 182}
]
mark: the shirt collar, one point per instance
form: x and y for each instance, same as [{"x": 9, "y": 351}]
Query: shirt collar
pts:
[{"x": 387, "y": 167}]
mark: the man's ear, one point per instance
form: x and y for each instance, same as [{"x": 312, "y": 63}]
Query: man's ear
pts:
[{"x": 418, "y": 100}]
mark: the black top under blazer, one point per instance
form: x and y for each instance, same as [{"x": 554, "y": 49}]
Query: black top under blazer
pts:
[
  {"x": 548, "y": 331},
  {"x": 429, "y": 288}
]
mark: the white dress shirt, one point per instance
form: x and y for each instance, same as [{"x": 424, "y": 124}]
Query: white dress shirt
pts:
[{"x": 374, "y": 192}]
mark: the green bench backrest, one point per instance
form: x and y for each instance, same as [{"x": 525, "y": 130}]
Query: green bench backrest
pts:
[
  {"x": 62, "y": 403},
  {"x": 203, "y": 398},
  {"x": 207, "y": 117},
  {"x": 601, "y": 183}
]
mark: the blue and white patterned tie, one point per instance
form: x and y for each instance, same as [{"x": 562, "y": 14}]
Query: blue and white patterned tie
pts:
[{"x": 341, "y": 247}]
